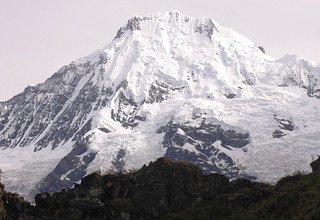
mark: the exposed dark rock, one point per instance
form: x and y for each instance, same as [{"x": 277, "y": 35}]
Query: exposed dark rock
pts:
[
  {"x": 105, "y": 130},
  {"x": 262, "y": 49},
  {"x": 315, "y": 165},
  {"x": 172, "y": 190},
  {"x": 140, "y": 118},
  {"x": 248, "y": 82},
  {"x": 207, "y": 28},
  {"x": 119, "y": 162},
  {"x": 150, "y": 193},
  {"x": 201, "y": 139},
  {"x": 120, "y": 32},
  {"x": 2, "y": 207},
  {"x": 313, "y": 86},
  {"x": 134, "y": 24},
  {"x": 284, "y": 124},
  {"x": 45, "y": 110},
  {"x": 278, "y": 134},
  {"x": 12, "y": 206},
  {"x": 125, "y": 108},
  {"x": 158, "y": 92},
  {"x": 230, "y": 96},
  {"x": 91, "y": 179},
  {"x": 69, "y": 170}
]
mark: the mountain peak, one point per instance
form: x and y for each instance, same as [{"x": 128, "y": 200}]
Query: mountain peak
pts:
[
  {"x": 170, "y": 20},
  {"x": 168, "y": 85}
]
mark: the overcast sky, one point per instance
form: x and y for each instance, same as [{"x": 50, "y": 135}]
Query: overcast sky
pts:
[{"x": 37, "y": 37}]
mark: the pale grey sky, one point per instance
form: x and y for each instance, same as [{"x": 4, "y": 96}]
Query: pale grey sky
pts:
[{"x": 37, "y": 37}]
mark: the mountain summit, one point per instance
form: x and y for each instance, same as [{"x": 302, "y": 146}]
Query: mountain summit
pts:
[{"x": 167, "y": 85}]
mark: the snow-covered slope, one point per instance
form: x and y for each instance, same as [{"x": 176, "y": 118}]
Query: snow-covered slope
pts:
[{"x": 168, "y": 84}]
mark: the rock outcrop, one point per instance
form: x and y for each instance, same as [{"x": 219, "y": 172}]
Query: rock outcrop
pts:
[
  {"x": 168, "y": 189},
  {"x": 315, "y": 165},
  {"x": 168, "y": 85},
  {"x": 12, "y": 206},
  {"x": 150, "y": 193},
  {"x": 2, "y": 208}
]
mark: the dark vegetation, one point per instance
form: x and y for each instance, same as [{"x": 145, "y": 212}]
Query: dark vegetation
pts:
[{"x": 172, "y": 190}]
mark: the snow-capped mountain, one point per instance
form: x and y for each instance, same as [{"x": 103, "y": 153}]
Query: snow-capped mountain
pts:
[{"x": 167, "y": 85}]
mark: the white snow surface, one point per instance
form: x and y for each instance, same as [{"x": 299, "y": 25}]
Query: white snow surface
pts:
[{"x": 203, "y": 62}]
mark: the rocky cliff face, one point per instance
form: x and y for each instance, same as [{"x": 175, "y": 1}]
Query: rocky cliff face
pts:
[
  {"x": 167, "y": 85},
  {"x": 2, "y": 208},
  {"x": 171, "y": 190},
  {"x": 148, "y": 193},
  {"x": 13, "y": 206}
]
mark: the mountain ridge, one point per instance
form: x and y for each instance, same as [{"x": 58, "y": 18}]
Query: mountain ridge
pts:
[
  {"x": 167, "y": 85},
  {"x": 166, "y": 189}
]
